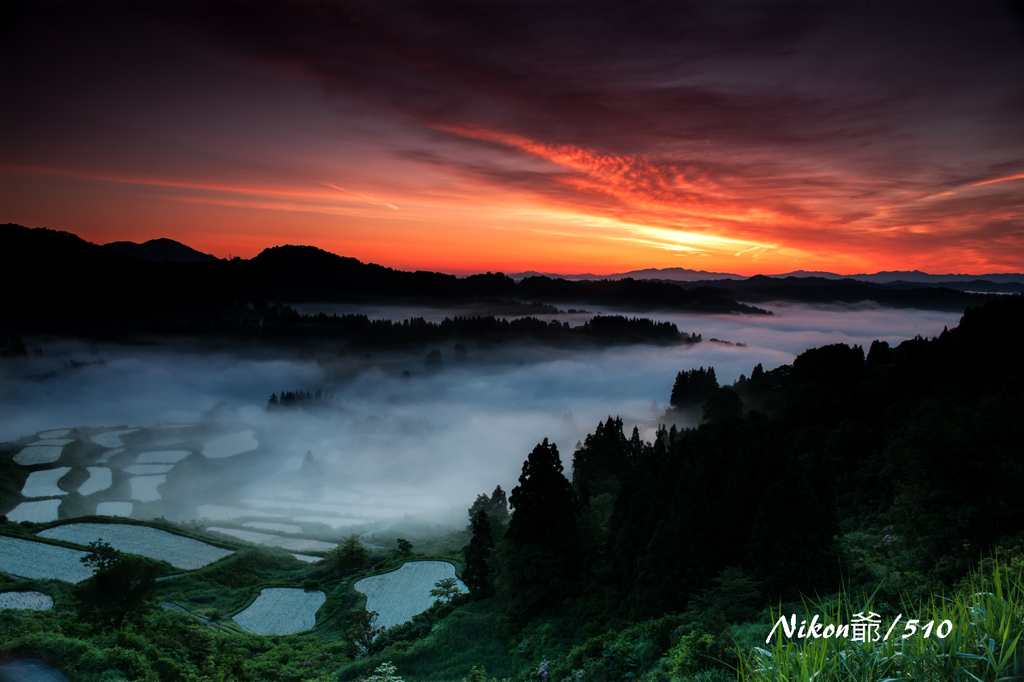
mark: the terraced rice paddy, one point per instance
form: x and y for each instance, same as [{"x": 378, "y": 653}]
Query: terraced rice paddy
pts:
[
  {"x": 114, "y": 508},
  {"x": 107, "y": 455},
  {"x": 332, "y": 521},
  {"x": 361, "y": 511},
  {"x": 99, "y": 479},
  {"x": 162, "y": 457},
  {"x": 144, "y": 487},
  {"x": 37, "y": 512},
  {"x": 279, "y": 527},
  {"x": 217, "y": 512},
  {"x": 169, "y": 441},
  {"x": 230, "y": 445},
  {"x": 307, "y": 558},
  {"x": 149, "y": 468},
  {"x": 294, "y": 544},
  {"x": 177, "y": 550},
  {"x": 27, "y": 601},
  {"x": 39, "y": 454},
  {"x": 54, "y": 441},
  {"x": 111, "y": 439},
  {"x": 44, "y": 483},
  {"x": 30, "y": 559},
  {"x": 281, "y": 611},
  {"x": 55, "y": 433},
  {"x": 399, "y": 595}
]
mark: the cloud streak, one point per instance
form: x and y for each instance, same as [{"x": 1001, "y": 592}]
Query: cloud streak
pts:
[{"x": 798, "y": 134}]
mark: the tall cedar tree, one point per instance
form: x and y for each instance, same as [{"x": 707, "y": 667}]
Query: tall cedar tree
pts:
[
  {"x": 477, "y": 574},
  {"x": 540, "y": 562},
  {"x": 604, "y": 458},
  {"x": 498, "y": 504}
]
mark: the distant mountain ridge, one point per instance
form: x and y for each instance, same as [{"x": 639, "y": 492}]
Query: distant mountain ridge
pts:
[
  {"x": 915, "y": 276},
  {"x": 885, "y": 277},
  {"x": 128, "y": 289},
  {"x": 161, "y": 250},
  {"x": 306, "y": 274},
  {"x": 675, "y": 274}
]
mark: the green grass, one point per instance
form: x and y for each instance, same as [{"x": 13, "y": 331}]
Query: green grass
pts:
[
  {"x": 466, "y": 639},
  {"x": 987, "y": 617},
  {"x": 229, "y": 585}
]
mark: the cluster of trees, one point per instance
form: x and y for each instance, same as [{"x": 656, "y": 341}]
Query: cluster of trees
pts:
[
  {"x": 12, "y": 348},
  {"x": 433, "y": 360},
  {"x": 122, "y": 588},
  {"x": 921, "y": 443},
  {"x": 693, "y": 387},
  {"x": 352, "y": 555},
  {"x": 284, "y": 324},
  {"x": 299, "y": 398},
  {"x": 361, "y": 331}
]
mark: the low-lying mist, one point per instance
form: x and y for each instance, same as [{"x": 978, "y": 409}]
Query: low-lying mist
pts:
[{"x": 386, "y": 445}]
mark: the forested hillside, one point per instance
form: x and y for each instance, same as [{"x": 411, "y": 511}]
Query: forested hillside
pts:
[{"x": 895, "y": 470}]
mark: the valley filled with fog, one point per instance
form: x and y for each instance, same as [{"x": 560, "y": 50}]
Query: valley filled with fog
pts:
[{"x": 382, "y": 445}]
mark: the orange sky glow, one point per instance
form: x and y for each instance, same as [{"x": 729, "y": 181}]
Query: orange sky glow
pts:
[{"x": 427, "y": 153}]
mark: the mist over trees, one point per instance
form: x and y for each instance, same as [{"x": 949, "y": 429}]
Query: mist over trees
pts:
[
  {"x": 921, "y": 443},
  {"x": 693, "y": 387}
]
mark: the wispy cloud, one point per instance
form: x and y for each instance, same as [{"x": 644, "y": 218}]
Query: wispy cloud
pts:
[{"x": 847, "y": 136}]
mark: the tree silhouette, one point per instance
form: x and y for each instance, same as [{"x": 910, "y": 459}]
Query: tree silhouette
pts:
[
  {"x": 445, "y": 589},
  {"x": 477, "y": 574},
  {"x": 498, "y": 504},
  {"x": 723, "y": 404},
  {"x": 693, "y": 387},
  {"x": 351, "y": 555},
  {"x": 540, "y": 564},
  {"x": 121, "y": 589}
]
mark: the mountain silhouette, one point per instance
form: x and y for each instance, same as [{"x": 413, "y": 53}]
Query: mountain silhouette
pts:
[{"x": 160, "y": 250}]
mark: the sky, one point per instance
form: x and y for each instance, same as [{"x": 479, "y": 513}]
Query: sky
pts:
[{"x": 750, "y": 137}]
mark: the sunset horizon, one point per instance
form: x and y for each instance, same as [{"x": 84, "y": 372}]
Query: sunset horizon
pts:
[{"x": 738, "y": 138}]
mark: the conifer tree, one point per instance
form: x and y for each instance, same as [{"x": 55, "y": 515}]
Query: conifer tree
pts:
[
  {"x": 498, "y": 504},
  {"x": 693, "y": 387},
  {"x": 477, "y": 574},
  {"x": 540, "y": 564}
]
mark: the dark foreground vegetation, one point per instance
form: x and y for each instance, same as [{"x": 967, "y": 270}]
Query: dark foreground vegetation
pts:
[
  {"x": 889, "y": 473},
  {"x": 886, "y": 481}
]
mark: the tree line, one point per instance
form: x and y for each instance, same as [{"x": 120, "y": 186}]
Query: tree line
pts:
[{"x": 919, "y": 445}]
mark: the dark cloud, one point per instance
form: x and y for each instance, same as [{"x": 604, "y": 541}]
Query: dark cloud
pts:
[
  {"x": 777, "y": 122},
  {"x": 656, "y": 75}
]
